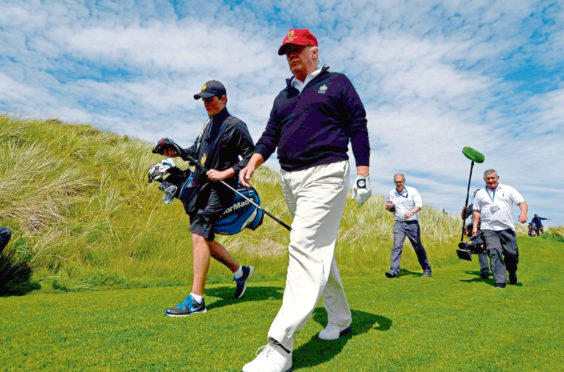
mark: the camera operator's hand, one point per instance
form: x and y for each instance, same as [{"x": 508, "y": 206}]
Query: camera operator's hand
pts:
[
  {"x": 463, "y": 214},
  {"x": 475, "y": 231}
]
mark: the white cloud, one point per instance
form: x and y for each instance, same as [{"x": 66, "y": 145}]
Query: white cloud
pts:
[{"x": 432, "y": 76}]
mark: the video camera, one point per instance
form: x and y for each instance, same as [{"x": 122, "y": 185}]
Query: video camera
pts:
[{"x": 474, "y": 245}]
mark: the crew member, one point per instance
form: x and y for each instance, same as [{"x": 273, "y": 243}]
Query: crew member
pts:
[
  {"x": 493, "y": 207},
  {"x": 406, "y": 202}
]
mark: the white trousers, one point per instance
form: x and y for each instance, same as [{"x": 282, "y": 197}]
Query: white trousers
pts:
[{"x": 316, "y": 198}]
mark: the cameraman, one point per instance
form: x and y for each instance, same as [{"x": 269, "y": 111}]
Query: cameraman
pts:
[
  {"x": 493, "y": 208},
  {"x": 482, "y": 257}
]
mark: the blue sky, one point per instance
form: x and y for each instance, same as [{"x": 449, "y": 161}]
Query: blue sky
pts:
[{"x": 435, "y": 76}]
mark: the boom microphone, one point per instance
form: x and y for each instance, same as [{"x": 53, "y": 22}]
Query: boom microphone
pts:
[
  {"x": 476, "y": 157},
  {"x": 473, "y": 155}
]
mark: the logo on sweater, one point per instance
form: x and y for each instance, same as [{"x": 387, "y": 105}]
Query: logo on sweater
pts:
[{"x": 322, "y": 89}]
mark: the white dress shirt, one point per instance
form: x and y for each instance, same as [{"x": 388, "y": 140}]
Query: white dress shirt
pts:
[{"x": 296, "y": 83}]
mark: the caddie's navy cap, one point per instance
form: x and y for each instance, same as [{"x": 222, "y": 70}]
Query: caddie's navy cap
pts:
[{"x": 210, "y": 89}]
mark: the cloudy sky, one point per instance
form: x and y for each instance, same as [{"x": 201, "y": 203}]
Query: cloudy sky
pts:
[{"x": 435, "y": 76}]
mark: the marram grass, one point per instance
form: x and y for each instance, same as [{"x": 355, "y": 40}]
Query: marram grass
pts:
[{"x": 84, "y": 217}]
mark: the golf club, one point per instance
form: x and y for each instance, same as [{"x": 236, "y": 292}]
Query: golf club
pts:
[
  {"x": 477, "y": 157},
  {"x": 168, "y": 143}
]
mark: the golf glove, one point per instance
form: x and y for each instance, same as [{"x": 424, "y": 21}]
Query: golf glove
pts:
[{"x": 361, "y": 190}]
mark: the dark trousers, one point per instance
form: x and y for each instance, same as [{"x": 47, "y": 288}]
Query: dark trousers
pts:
[
  {"x": 503, "y": 252},
  {"x": 483, "y": 259},
  {"x": 5, "y": 236},
  {"x": 412, "y": 230}
]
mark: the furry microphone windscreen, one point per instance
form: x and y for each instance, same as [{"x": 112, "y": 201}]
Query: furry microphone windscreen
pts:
[{"x": 473, "y": 155}]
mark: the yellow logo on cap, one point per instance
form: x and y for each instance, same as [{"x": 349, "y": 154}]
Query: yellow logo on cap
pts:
[
  {"x": 204, "y": 87},
  {"x": 290, "y": 35}
]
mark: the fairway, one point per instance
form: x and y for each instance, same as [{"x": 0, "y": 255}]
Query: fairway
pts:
[{"x": 452, "y": 321}]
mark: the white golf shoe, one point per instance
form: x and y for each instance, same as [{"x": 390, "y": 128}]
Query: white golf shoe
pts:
[
  {"x": 333, "y": 332},
  {"x": 272, "y": 358}
]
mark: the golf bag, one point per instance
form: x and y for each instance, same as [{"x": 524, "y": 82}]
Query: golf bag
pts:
[{"x": 182, "y": 185}]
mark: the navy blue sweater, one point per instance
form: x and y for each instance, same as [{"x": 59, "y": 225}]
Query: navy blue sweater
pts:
[{"x": 314, "y": 127}]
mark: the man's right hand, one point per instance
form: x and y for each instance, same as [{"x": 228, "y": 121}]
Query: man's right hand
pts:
[{"x": 245, "y": 175}]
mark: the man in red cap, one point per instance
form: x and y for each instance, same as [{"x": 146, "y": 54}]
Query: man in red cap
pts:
[{"x": 311, "y": 123}]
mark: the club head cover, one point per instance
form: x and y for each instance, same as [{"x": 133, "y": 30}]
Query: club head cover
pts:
[
  {"x": 361, "y": 190},
  {"x": 159, "y": 171}
]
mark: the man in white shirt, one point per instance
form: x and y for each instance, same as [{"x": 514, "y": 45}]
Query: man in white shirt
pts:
[
  {"x": 493, "y": 206},
  {"x": 405, "y": 202}
]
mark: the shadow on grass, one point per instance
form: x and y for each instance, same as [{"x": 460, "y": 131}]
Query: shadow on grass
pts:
[
  {"x": 477, "y": 278},
  {"x": 15, "y": 276},
  {"x": 225, "y": 295},
  {"x": 489, "y": 281},
  {"x": 404, "y": 272},
  {"x": 317, "y": 351}
]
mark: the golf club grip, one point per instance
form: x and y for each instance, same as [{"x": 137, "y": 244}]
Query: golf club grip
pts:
[
  {"x": 198, "y": 165},
  {"x": 203, "y": 169},
  {"x": 277, "y": 220}
]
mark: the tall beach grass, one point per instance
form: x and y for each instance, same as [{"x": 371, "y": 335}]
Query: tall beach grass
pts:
[{"x": 83, "y": 216}]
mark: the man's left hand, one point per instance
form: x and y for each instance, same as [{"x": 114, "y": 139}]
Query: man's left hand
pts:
[
  {"x": 523, "y": 218},
  {"x": 361, "y": 190},
  {"x": 217, "y": 175}
]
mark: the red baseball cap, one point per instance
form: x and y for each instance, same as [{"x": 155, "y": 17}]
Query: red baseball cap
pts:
[{"x": 297, "y": 36}]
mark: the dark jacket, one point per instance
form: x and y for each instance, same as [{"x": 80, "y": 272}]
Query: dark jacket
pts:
[
  {"x": 315, "y": 126},
  {"x": 225, "y": 143}
]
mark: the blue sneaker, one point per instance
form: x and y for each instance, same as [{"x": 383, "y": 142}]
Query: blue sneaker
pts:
[
  {"x": 187, "y": 307},
  {"x": 242, "y": 282}
]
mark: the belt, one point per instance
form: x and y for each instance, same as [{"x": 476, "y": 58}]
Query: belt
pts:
[{"x": 407, "y": 222}]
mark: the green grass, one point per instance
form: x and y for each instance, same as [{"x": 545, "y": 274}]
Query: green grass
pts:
[{"x": 453, "y": 321}]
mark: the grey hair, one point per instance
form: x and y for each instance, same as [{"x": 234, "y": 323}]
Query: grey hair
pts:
[
  {"x": 489, "y": 171},
  {"x": 399, "y": 174}
]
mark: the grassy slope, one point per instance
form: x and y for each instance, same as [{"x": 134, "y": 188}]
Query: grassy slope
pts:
[
  {"x": 452, "y": 321},
  {"x": 84, "y": 217}
]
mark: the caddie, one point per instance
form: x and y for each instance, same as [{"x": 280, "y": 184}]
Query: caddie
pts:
[{"x": 224, "y": 147}]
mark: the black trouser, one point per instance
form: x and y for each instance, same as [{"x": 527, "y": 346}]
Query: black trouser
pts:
[
  {"x": 412, "y": 230},
  {"x": 502, "y": 244},
  {"x": 5, "y": 236}
]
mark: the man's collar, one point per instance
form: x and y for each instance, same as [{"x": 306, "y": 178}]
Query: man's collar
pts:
[
  {"x": 291, "y": 79},
  {"x": 220, "y": 117},
  {"x": 496, "y": 187}
]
